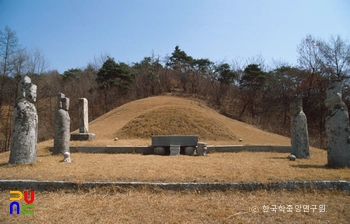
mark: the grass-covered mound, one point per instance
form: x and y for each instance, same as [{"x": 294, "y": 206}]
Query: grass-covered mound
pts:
[{"x": 176, "y": 120}]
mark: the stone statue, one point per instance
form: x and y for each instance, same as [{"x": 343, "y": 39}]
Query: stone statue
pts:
[
  {"x": 25, "y": 124},
  {"x": 298, "y": 130},
  {"x": 337, "y": 128},
  {"x": 62, "y": 125}
]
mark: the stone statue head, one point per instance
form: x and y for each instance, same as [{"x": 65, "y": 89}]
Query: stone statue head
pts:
[
  {"x": 60, "y": 96},
  {"x": 62, "y": 102},
  {"x": 65, "y": 103},
  {"x": 31, "y": 92},
  {"x": 23, "y": 85},
  {"x": 296, "y": 106},
  {"x": 333, "y": 94}
]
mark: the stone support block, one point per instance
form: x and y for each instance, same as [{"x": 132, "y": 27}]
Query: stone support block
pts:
[
  {"x": 174, "y": 150},
  {"x": 202, "y": 149},
  {"x": 158, "y": 150}
]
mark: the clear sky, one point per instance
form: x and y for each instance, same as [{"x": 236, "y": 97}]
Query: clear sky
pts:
[{"x": 70, "y": 33}]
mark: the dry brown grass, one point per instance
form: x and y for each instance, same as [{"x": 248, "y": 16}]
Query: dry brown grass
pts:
[
  {"x": 222, "y": 167},
  {"x": 114, "y": 205}
]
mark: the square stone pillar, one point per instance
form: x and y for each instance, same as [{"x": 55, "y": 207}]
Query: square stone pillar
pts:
[
  {"x": 83, "y": 116},
  {"x": 83, "y": 134}
]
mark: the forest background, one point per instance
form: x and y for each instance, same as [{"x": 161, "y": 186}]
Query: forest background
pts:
[{"x": 250, "y": 91}]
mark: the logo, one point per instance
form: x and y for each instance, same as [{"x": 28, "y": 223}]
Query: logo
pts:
[{"x": 27, "y": 208}]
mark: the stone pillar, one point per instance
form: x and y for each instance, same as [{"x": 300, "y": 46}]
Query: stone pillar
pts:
[
  {"x": 202, "y": 149},
  {"x": 298, "y": 130},
  {"x": 337, "y": 128},
  {"x": 62, "y": 126},
  {"x": 25, "y": 124},
  {"x": 83, "y": 116},
  {"x": 83, "y": 134},
  {"x": 174, "y": 150}
]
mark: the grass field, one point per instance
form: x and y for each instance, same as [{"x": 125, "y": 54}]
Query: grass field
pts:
[
  {"x": 158, "y": 206},
  {"x": 215, "y": 167},
  {"x": 151, "y": 205}
]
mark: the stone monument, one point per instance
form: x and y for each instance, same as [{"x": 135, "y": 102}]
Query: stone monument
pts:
[
  {"x": 25, "y": 124},
  {"x": 83, "y": 134},
  {"x": 62, "y": 126},
  {"x": 337, "y": 128},
  {"x": 298, "y": 130}
]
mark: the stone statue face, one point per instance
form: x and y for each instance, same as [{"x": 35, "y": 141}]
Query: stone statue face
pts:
[
  {"x": 295, "y": 108},
  {"x": 60, "y": 98},
  {"x": 65, "y": 104},
  {"x": 31, "y": 93},
  {"x": 332, "y": 98},
  {"x": 23, "y": 86}
]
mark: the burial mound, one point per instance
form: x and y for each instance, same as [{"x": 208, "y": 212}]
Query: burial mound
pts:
[{"x": 176, "y": 120}]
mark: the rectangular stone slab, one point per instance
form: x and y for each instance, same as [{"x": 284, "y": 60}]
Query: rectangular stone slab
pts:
[
  {"x": 258, "y": 148},
  {"x": 229, "y": 148},
  {"x": 282, "y": 149},
  {"x": 145, "y": 150},
  {"x": 91, "y": 149},
  {"x": 210, "y": 148},
  {"x": 120, "y": 149},
  {"x": 167, "y": 140}
]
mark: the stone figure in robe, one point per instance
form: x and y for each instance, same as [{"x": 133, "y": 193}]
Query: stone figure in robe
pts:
[
  {"x": 337, "y": 128},
  {"x": 62, "y": 125},
  {"x": 298, "y": 130},
  {"x": 25, "y": 124}
]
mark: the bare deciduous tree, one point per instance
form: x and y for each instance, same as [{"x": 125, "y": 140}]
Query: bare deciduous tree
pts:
[
  {"x": 36, "y": 63},
  {"x": 335, "y": 58}
]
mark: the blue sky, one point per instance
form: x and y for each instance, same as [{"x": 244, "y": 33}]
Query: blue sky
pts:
[{"x": 70, "y": 33}]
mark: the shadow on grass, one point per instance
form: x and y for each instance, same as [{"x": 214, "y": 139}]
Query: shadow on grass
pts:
[
  {"x": 44, "y": 155},
  {"x": 277, "y": 157},
  {"x": 4, "y": 164},
  {"x": 18, "y": 164},
  {"x": 306, "y": 166}
]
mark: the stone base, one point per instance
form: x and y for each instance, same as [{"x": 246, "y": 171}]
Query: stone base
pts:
[
  {"x": 174, "y": 150},
  {"x": 189, "y": 150},
  {"x": 82, "y": 136},
  {"x": 202, "y": 149},
  {"x": 159, "y": 150}
]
